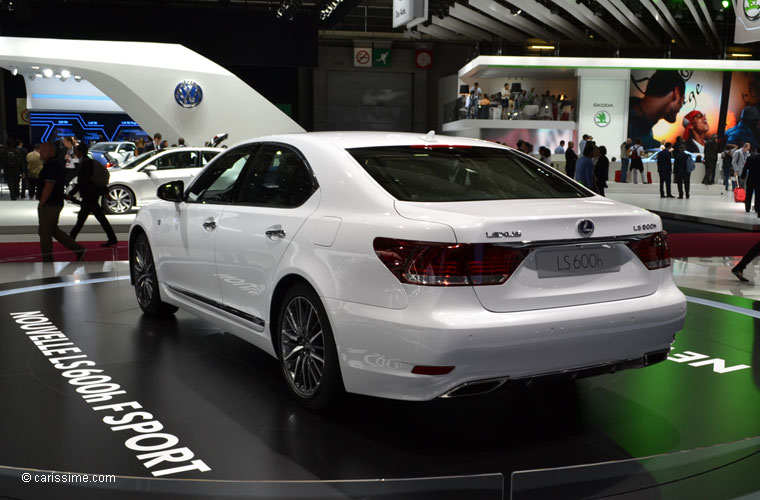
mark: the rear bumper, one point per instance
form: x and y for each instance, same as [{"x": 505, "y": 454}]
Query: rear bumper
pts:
[{"x": 378, "y": 347}]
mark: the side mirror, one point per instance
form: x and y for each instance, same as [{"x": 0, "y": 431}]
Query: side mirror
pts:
[
  {"x": 149, "y": 169},
  {"x": 171, "y": 191}
]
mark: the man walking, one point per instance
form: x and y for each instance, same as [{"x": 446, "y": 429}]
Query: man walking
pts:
[
  {"x": 49, "y": 209},
  {"x": 738, "y": 158},
  {"x": 91, "y": 194}
]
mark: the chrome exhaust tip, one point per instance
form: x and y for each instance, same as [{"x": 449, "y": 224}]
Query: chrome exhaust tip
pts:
[{"x": 475, "y": 388}]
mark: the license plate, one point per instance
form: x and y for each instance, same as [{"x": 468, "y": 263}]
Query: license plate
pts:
[{"x": 580, "y": 261}]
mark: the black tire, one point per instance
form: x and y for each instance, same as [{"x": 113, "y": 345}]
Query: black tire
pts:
[
  {"x": 306, "y": 349},
  {"x": 145, "y": 280},
  {"x": 118, "y": 200}
]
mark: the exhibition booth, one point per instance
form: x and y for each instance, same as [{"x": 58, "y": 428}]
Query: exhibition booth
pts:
[{"x": 104, "y": 401}]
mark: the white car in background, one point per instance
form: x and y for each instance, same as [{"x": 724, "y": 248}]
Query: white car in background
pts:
[
  {"x": 406, "y": 266},
  {"x": 135, "y": 182},
  {"x": 110, "y": 154}
]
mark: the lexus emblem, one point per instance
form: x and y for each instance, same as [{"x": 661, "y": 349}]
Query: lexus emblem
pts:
[
  {"x": 188, "y": 94},
  {"x": 586, "y": 227}
]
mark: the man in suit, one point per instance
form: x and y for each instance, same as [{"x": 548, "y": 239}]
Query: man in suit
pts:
[
  {"x": 155, "y": 144},
  {"x": 665, "y": 170},
  {"x": 752, "y": 182}
]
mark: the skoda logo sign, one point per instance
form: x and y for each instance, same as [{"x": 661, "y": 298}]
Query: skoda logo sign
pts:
[
  {"x": 188, "y": 94},
  {"x": 751, "y": 10},
  {"x": 601, "y": 119},
  {"x": 586, "y": 227}
]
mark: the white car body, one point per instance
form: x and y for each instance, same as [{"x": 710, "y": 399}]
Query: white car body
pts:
[
  {"x": 135, "y": 183},
  {"x": 119, "y": 151},
  {"x": 216, "y": 261}
]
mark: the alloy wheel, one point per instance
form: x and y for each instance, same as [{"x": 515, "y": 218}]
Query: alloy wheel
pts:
[
  {"x": 144, "y": 274},
  {"x": 119, "y": 200},
  {"x": 302, "y": 347}
]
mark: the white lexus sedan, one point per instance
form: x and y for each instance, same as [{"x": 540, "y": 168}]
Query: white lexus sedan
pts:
[
  {"x": 408, "y": 266},
  {"x": 135, "y": 182}
]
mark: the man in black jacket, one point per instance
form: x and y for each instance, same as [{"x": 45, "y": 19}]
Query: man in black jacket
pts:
[
  {"x": 752, "y": 182},
  {"x": 711, "y": 159},
  {"x": 681, "y": 171},
  {"x": 91, "y": 194},
  {"x": 570, "y": 160},
  {"x": 12, "y": 168},
  {"x": 665, "y": 170}
]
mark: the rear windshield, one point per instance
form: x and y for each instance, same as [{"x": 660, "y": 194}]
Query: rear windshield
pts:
[
  {"x": 441, "y": 174},
  {"x": 108, "y": 147}
]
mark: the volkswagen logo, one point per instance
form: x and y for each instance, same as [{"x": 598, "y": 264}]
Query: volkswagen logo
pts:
[
  {"x": 586, "y": 227},
  {"x": 188, "y": 94}
]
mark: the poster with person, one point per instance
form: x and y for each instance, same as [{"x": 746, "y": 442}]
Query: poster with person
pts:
[
  {"x": 743, "y": 115},
  {"x": 667, "y": 104}
]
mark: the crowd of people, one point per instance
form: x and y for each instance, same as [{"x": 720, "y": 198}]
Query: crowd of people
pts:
[
  {"x": 45, "y": 173},
  {"x": 510, "y": 103}
]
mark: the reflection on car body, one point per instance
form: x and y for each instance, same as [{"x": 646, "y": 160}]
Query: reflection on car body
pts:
[{"x": 375, "y": 271}]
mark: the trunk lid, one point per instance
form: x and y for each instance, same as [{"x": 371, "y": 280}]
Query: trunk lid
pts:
[{"x": 565, "y": 267}]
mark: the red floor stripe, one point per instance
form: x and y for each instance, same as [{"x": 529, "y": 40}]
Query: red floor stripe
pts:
[
  {"x": 30, "y": 252},
  {"x": 681, "y": 245},
  {"x": 711, "y": 244}
]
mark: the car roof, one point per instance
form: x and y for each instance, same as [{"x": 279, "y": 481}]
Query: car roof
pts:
[{"x": 349, "y": 140}]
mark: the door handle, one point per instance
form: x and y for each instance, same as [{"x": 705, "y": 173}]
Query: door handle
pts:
[
  {"x": 275, "y": 233},
  {"x": 209, "y": 225}
]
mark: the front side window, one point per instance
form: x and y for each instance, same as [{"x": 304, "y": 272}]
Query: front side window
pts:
[
  {"x": 178, "y": 159},
  {"x": 462, "y": 173},
  {"x": 207, "y": 156},
  {"x": 279, "y": 177},
  {"x": 217, "y": 184}
]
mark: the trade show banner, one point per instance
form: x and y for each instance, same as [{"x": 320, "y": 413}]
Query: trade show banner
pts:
[
  {"x": 747, "y": 27},
  {"x": 743, "y": 115},
  {"x": 667, "y": 104},
  {"x": 603, "y": 99}
]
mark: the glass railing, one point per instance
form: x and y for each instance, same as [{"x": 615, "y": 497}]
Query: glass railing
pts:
[
  {"x": 714, "y": 472},
  {"x": 458, "y": 110},
  {"x": 32, "y": 483}
]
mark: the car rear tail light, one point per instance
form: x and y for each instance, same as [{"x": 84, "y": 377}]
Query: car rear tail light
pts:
[
  {"x": 109, "y": 164},
  {"x": 653, "y": 250},
  {"x": 448, "y": 264}
]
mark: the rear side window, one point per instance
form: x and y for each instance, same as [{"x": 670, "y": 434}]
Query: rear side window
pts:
[{"x": 443, "y": 174}]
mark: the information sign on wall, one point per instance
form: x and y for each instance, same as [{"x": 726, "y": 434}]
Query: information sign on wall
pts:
[
  {"x": 405, "y": 11},
  {"x": 423, "y": 59},
  {"x": 381, "y": 57},
  {"x": 363, "y": 57}
]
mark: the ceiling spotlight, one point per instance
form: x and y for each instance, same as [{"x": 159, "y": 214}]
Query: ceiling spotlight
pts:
[
  {"x": 65, "y": 73},
  {"x": 47, "y": 72},
  {"x": 77, "y": 78},
  {"x": 725, "y": 3},
  {"x": 35, "y": 67},
  {"x": 14, "y": 71},
  {"x": 38, "y": 75}
]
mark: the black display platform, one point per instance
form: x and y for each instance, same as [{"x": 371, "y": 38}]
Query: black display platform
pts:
[{"x": 225, "y": 402}]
